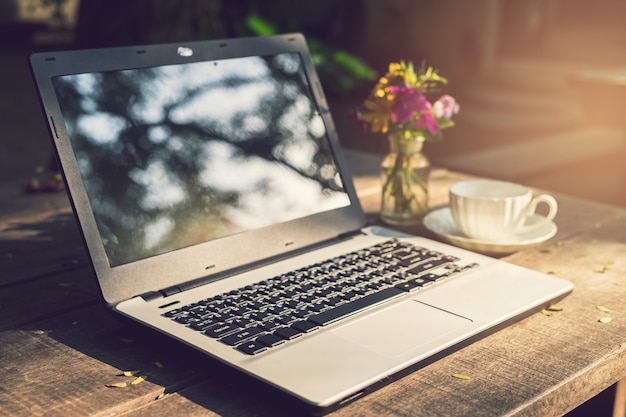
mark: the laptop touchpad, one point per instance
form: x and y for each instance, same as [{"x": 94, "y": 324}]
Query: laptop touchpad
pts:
[{"x": 404, "y": 328}]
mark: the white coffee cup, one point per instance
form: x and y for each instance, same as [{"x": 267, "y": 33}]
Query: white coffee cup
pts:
[{"x": 494, "y": 211}]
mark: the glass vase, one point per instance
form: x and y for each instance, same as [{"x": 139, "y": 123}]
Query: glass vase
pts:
[{"x": 405, "y": 171}]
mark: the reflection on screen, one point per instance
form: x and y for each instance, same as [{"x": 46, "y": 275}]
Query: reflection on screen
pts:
[{"x": 177, "y": 155}]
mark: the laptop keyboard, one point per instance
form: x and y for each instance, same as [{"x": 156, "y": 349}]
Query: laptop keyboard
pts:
[{"x": 269, "y": 313}]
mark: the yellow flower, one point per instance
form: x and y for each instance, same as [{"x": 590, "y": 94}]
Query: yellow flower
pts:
[
  {"x": 396, "y": 70},
  {"x": 378, "y": 112},
  {"x": 395, "y": 76}
]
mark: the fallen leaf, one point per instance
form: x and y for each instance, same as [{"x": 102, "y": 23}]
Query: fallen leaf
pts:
[
  {"x": 608, "y": 266},
  {"x": 605, "y": 320},
  {"x": 116, "y": 385},
  {"x": 163, "y": 395},
  {"x": 603, "y": 309},
  {"x": 130, "y": 373},
  {"x": 461, "y": 376},
  {"x": 139, "y": 380},
  {"x": 158, "y": 364},
  {"x": 621, "y": 284},
  {"x": 554, "y": 308},
  {"x": 126, "y": 340},
  {"x": 546, "y": 312}
]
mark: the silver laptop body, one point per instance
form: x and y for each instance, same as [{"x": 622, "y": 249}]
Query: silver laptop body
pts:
[{"x": 198, "y": 170}]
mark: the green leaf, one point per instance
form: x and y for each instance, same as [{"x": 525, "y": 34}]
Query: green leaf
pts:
[
  {"x": 354, "y": 65},
  {"x": 260, "y": 26}
]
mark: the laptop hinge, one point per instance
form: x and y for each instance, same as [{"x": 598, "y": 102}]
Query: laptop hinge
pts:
[
  {"x": 170, "y": 291},
  {"x": 151, "y": 295},
  {"x": 166, "y": 292},
  {"x": 349, "y": 235}
]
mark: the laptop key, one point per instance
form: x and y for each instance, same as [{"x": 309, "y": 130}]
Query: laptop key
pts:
[
  {"x": 252, "y": 347},
  {"x": 428, "y": 265},
  {"x": 305, "y": 326},
  {"x": 220, "y": 330},
  {"x": 202, "y": 325},
  {"x": 270, "y": 340},
  {"x": 408, "y": 286},
  {"x": 288, "y": 333},
  {"x": 288, "y": 318},
  {"x": 241, "y": 336},
  {"x": 271, "y": 324},
  {"x": 241, "y": 321}
]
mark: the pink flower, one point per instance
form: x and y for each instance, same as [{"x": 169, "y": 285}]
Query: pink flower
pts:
[
  {"x": 408, "y": 102},
  {"x": 446, "y": 107},
  {"x": 427, "y": 120}
]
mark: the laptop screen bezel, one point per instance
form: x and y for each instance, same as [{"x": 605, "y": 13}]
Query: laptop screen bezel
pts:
[{"x": 209, "y": 259}]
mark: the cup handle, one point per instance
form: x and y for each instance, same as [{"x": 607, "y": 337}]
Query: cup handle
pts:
[{"x": 531, "y": 208}]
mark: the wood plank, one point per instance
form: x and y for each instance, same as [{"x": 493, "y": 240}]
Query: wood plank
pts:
[
  {"x": 227, "y": 395},
  {"x": 46, "y": 296},
  {"x": 60, "y": 366},
  {"x": 34, "y": 244},
  {"x": 196, "y": 402}
]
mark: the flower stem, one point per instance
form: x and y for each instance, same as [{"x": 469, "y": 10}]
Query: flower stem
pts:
[{"x": 405, "y": 192}]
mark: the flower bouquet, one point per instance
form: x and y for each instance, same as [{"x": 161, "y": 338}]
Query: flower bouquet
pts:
[{"x": 398, "y": 107}]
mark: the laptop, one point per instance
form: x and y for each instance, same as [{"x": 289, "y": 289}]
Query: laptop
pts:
[{"x": 217, "y": 208}]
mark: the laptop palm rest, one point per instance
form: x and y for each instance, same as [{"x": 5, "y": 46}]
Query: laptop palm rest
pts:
[{"x": 415, "y": 325}]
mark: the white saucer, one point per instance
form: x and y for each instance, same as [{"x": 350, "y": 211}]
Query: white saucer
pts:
[{"x": 441, "y": 223}]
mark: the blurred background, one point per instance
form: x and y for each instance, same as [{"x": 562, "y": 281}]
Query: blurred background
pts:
[{"x": 541, "y": 83}]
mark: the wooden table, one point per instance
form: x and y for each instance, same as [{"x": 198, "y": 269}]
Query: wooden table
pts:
[{"x": 61, "y": 354}]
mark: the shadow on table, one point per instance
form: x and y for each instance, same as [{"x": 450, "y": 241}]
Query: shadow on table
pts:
[{"x": 170, "y": 366}]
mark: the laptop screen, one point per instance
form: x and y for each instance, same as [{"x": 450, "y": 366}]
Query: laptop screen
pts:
[{"x": 177, "y": 155}]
